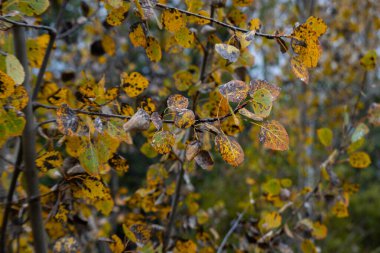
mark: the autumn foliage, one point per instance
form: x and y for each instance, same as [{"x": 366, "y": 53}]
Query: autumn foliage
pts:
[{"x": 153, "y": 125}]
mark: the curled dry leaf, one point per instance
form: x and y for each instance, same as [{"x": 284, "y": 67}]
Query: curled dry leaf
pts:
[
  {"x": 235, "y": 90},
  {"x": 228, "y": 52},
  {"x": 139, "y": 121},
  {"x": 184, "y": 118},
  {"x": 192, "y": 149},
  {"x": 162, "y": 142},
  {"x": 250, "y": 115},
  {"x": 156, "y": 120},
  {"x": 230, "y": 149},
  {"x": 67, "y": 120},
  {"x": 204, "y": 160},
  {"x": 274, "y": 136},
  {"x": 177, "y": 102}
]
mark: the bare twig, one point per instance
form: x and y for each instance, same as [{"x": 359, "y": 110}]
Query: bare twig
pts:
[{"x": 229, "y": 233}]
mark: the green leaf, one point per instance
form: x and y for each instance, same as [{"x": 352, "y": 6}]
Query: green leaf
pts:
[
  {"x": 28, "y": 7},
  {"x": 325, "y": 136},
  {"x": 14, "y": 69},
  {"x": 89, "y": 160}
]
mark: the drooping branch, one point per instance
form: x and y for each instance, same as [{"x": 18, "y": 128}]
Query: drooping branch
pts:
[{"x": 212, "y": 20}]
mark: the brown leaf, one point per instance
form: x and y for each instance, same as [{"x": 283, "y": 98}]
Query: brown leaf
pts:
[
  {"x": 139, "y": 121},
  {"x": 274, "y": 136}
]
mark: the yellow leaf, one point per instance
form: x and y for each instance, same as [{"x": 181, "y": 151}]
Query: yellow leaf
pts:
[
  {"x": 173, "y": 20},
  {"x": 36, "y": 50},
  {"x": 308, "y": 246},
  {"x": 137, "y": 35},
  {"x": 117, "y": 245},
  {"x": 66, "y": 244},
  {"x": 134, "y": 83},
  {"x": 269, "y": 221},
  {"x": 153, "y": 49},
  {"x": 299, "y": 69},
  {"x": 7, "y": 85},
  {"x": 242, "y": 3},
  {"x": 229, "y": 149},
  {"x": 49, "y": 160},
  {"x": 254, "y": 24},
  {"x": 185, "y": 247},
  {"x": 184, "y": 37},
  {"x": 360, "y": 160},
  {"x": 109, "y": 45},
  {"x": 325, "y": 136},
  {"x": 368, "y": 61},
  {"x": 19, "y": 99},
  {"x": 274, "y": 136},
  {"x": 340, "y": 209},
  {"x": 117, "y": 13},
  {"x": 319, "y": 231}
]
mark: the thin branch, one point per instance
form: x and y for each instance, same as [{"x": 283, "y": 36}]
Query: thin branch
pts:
[
  {"x": 234, "y": 28},
  {"x": 50, "y": 30},
  {"x": 8, "y": 203},
  {"x": 229, "y": 233}
]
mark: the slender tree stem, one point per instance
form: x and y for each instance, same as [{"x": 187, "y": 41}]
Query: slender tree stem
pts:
[
  {"x": 229, "y": 233},
  {"x": 28, "y": 147}
]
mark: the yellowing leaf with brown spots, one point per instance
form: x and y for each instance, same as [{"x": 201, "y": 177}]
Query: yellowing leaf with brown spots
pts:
[
  {"x": 230, "y": 149},
  {"x": 109, "y": 45},
  {"x": 36, "y": 50},
  {"x": 173, "y": 20},
  {"x": 185, "y": 247},
  {"x": 7, "y": 85},
  {"x": 148, "y": 105},
  {"x": 134, "y": 83},
  {"x": 368, "y": 61},
  {"x": 163, "y": 141},
  {"x": 184, "y": 37},
  {"x": 262, "y": 102},
  {"x": 235, "y": 90},
  {"x": 274, "y": 136},
  {"x": 66, "y": 244},
  {"x": 269, "y": 221},
  {"x": 359, "y": 160},
  {"x": 49, "y": 160},
  {"x": 153, "y": 49},
  {"x": 319, "y": 231},
  {"x": 262, "y": 84},
  {"x": 227, "y": 52},
  {"x": 117, "y": 246},
  {"x": 184, "y": 118},
  {"x": 254, "y": 24},
  {"x": 59, "y": 97},
  {"x": 299, "y": 69},
  {"x": 19, "y": 98},
  {"x": 137, "y": 35},
  {"x": 340, "y": 209},
  {"x": 119, "y": 163},
  {"x": 117, "y": 13},
  {"x": 28, "y": 7},
  {"x": 242, "y": 3}
]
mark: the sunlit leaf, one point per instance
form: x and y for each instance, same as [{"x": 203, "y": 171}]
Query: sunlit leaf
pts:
[
  {"x": 360, "y": 160},
  {"x": 228, "y": 52},
  {"x": 274, "y": 136},
  {"x": 230, "y": 149}
]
